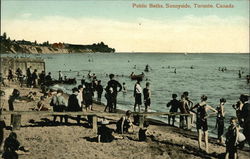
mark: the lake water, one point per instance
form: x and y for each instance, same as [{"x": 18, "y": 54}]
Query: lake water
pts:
[{"x": 204, "y": 78}]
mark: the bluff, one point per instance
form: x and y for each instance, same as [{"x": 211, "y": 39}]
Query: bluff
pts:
[{"x": 22, "y": 46}]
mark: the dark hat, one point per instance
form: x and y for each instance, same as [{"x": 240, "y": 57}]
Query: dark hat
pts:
[
  {"x": 243, "y": 97},
  {"x": 111, "y": 75},
  {"x": 204, "y": 97},
  {"x": 223, "y": 100}
]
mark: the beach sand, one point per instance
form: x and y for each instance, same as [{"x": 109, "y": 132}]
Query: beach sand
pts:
[{"x": 54, "y": 141}]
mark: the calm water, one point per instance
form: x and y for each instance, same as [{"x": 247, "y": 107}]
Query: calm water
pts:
[{"x": 203, "y": 79}]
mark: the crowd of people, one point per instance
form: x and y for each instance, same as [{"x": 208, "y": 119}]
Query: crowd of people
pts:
[
  {"x": 82, "y": 97},
  {"x": 234, "y": 138}
]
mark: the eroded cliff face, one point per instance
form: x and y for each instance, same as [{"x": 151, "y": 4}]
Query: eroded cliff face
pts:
[{"x": 40, "y": 50}]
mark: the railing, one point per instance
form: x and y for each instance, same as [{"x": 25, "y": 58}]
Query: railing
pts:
[{"x": 16, "y": 116}]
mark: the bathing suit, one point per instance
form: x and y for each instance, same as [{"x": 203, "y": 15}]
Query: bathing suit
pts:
[
  {"x": 220, "y": 122},
  {"x": 231, "y": 139},
  {"x": 201, "y": 122}
]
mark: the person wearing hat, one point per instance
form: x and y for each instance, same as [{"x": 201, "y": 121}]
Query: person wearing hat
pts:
[
  {"x": 220, "y": 118},
  {"x": 73, "y": 103}
]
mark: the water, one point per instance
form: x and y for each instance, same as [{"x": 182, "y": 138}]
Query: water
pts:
[{"x": 203, "y": 79}]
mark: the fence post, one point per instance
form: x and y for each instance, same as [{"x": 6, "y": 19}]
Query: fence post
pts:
[
  {"x": 94, "y": 123},
  {"x": 181, "y": 123},
  {"x": 189, "y": 124},
  {"x": 92, "y": 119},
  {"x": 15, "y": 121},
  {"x": 141, "y": 121}
]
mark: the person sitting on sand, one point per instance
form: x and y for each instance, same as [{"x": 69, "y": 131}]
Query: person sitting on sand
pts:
[
  {"x": 220, "y": 118},
  {"x": 143, "y": 132},
  {"x": 104, "y": 133},
  {"x": 175, "y": 105},
  {"x": 12, "y": 147},
  {"x": 41, "y": 106},
  {"x": 124, "y": 125},
  {"x": 31, "y": 96},
  {"x": 231, "y": 139},
  {"x": 201, "y": 120}
]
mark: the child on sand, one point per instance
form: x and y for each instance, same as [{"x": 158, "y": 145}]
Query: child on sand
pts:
[
  {"x": 231, "y": 139},
  {"x": 12, "y": 147}
]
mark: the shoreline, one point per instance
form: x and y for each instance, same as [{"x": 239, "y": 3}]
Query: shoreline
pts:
[{"x": 57, "y": 140}]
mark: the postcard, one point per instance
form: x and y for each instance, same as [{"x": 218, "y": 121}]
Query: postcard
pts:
[{"x": 124, "y": 79}]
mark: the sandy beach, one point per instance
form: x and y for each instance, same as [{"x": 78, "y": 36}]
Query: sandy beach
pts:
[{"x": 59, "y": 141}]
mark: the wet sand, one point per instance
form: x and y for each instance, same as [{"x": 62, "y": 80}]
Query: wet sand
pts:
[{"x": 59, "y": 141}]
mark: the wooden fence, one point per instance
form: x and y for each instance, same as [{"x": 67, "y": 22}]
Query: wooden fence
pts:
[{"x": 16, "y": 117}]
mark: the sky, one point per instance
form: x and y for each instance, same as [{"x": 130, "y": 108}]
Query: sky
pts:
[{"x": 128, "y": 29}]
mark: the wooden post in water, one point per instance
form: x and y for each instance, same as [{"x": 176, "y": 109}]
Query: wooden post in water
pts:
[
  {"x": 141, "y": 121},
  {"x": 15, "y": 121}
]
